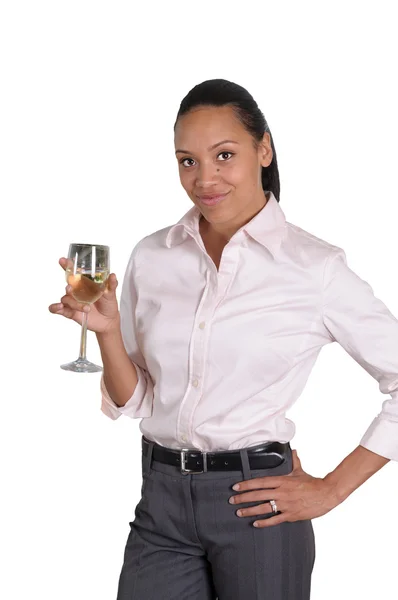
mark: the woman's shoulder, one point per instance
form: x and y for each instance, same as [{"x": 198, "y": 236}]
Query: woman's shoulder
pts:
[
  {"x": 151, "y": 240},
  {"x": 306, "y": 244},
  {"x": 150, "y": 245}
]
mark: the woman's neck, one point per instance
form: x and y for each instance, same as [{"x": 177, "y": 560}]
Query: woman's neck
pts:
[{"x": 220, "y": 234}]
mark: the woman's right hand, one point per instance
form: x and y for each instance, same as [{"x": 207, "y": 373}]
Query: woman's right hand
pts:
[{"x": 104, "y": 316}]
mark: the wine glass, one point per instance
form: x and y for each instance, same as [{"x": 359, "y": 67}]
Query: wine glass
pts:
[{"x": 87, "y": 272}]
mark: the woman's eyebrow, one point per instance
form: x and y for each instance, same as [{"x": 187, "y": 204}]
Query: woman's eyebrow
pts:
[{"x": 211, "y": 147}]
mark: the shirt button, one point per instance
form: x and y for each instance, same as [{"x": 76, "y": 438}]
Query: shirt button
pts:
[
  {"x": 195, "y": 383},
  {"x": 202, "y": 325},
  {"x": 184, "y": 438}
]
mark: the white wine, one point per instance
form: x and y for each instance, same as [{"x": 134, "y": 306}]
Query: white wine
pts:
[
  {"x": 87, "y": 288},
  {"x": 87, "y": 271}
]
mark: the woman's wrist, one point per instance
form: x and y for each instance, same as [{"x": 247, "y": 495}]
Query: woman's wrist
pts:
[
  {"x": 353, "y": 471},
  {"x": 113, "y": 333}
]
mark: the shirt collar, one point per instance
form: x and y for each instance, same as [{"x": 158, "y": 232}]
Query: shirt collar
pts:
[{"x": 267, "y": 227}]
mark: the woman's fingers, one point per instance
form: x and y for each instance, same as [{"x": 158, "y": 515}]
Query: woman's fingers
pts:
[
  {"x": 65, "y": 263},
  {"x": 112, "y": 284},
  {"x": 70, "y": 302},
  {"x": 60, "y": 309},
  {"x": 54, "y": 308},
  {"x": 68, "y": 306}
]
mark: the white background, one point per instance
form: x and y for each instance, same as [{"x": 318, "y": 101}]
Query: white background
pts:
[{"x": 90, "y": 92}]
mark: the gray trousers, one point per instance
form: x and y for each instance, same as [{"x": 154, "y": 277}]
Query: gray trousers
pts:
[{"x": 187, "y": 543}]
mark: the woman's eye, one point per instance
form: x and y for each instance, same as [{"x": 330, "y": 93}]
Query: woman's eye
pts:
[
  {"x": 221, "y": 153},
  {"x": 183, "y": 160}
]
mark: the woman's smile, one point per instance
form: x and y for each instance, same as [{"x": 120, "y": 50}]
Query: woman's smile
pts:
[{"x": 212, "y": 200}]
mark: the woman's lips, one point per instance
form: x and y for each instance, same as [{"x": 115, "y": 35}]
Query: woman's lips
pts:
[{"x": 212, "y": 200}]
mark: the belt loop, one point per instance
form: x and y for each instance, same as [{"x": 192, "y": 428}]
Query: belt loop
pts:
[
  {"x": 245, "y": 464},
  {"x": 289, "y": 459},
  {"x": 204, "y": 458},
  {"x": 148, "y": 457}
]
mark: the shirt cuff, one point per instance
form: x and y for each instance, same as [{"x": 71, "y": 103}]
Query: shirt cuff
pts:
[
  {"x": 381, "y": 437},
  {"x": 138, "y": 406}
]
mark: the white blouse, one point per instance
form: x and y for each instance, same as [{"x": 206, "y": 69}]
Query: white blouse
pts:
[{"x": 222, "y": 355}]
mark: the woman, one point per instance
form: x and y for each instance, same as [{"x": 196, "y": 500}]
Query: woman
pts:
[{"x": 222, "y": 317}]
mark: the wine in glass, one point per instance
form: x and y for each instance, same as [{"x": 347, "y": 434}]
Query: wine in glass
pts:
[{"x": 87, "y": 272}]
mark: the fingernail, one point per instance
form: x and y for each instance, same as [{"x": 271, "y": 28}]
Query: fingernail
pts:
[
  {"x": 68, "y": 288},
  {"x": 236, "y": 486},
  {"x": 86, "y": 308}
]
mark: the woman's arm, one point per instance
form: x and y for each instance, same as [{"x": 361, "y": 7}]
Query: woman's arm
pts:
[
  {"x": 353, "y": 471},
  {"x": 126, "y": 384},
  {"x": 120, "y": 375},
  {"x": 363, "y": 325}
]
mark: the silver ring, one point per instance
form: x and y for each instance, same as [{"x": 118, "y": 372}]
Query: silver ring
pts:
[{"x": 274, "y": 507}]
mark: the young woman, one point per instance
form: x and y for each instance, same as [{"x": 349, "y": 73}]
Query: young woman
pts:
[{"x": 222, "y": 317}]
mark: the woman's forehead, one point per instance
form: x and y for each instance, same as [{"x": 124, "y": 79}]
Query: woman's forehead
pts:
[{"x": 208, "y": 125}]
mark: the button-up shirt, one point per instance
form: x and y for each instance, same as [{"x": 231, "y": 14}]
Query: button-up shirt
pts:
[{"x": 221, "y": 355}]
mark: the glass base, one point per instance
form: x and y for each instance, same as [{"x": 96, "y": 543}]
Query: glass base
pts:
[{"x": 81, "y": 366}]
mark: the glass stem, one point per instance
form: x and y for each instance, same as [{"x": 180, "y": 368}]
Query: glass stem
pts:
[{"x": 83, "y": 339}]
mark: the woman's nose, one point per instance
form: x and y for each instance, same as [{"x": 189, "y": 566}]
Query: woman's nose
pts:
[{"x": 207, "y": 175}]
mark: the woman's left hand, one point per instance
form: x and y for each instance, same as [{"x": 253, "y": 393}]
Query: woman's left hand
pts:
[{"x": 298, "y": 496}]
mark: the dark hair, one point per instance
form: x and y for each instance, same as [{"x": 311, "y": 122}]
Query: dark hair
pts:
[{"x": 220, "y": 92}]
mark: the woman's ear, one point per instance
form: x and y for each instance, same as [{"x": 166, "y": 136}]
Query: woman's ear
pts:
[{"x": 265, "y": 150}]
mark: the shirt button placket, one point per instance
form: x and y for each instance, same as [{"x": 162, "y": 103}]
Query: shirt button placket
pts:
[{"x": 196, "y": 368}]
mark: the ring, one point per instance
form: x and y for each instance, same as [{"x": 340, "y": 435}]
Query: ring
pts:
[{"x": 274, "y": 507}]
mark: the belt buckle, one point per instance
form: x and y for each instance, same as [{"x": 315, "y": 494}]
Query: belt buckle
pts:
[{"x": 185, "y": 471}]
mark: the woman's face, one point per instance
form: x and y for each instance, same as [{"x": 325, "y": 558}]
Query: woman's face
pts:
[{"x": 208, "y": 168}]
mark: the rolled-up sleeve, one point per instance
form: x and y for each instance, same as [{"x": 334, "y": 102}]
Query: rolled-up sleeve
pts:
[
  {"x": 364, "y": 326},
  {"x": 140, "y": 405}
]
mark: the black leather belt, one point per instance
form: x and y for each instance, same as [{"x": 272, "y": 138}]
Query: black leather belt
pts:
[{"x": 264, "y": 456}]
